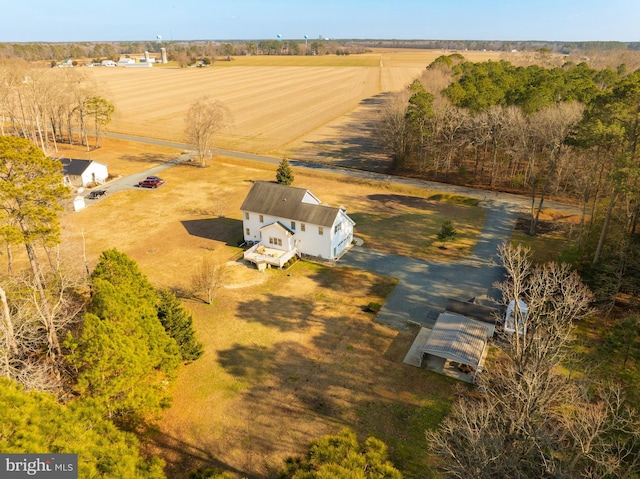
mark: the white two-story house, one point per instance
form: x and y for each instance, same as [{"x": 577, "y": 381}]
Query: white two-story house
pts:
[{"x": 284, "y": 221}]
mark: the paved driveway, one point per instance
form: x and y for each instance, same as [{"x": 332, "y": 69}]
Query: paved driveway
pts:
[
  {"x": 424, "y": 286},
  {"x": 131, "y": 182}
]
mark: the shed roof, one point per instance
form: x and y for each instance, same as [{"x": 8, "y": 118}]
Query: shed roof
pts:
[
  {"x": 457, "y": 338},
  {"x": 286, "y": 202},
  {"x": 74, "y": 167}
]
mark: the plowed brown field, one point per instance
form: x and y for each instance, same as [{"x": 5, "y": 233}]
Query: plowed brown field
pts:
[{"x": 275, "y": 101}]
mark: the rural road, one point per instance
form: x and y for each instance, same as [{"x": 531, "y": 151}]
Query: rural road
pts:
[
  {"x": 424, "y": 286},
  {"x": 523, "y": 203}
]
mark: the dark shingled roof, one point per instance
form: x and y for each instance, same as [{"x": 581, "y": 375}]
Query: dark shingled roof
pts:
[
  {"x": 74, "y": 167},
  {"x": 285, "y": 202}
]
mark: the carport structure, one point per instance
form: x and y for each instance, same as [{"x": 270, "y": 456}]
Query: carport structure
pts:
[{"x": 457, "y": 338}]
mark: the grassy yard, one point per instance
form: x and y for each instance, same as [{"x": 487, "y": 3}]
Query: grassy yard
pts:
[
  {"x": 408, "y": 225},
  {"x": 292, "y": 358},
  {"x": 289, "y": 355},
  {"x": 552, "y": 237}
]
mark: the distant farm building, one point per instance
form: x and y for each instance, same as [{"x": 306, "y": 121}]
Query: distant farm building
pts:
[{"x": 131, "y": 63}]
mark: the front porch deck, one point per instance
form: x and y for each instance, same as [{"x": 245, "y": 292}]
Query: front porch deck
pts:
[{"x": 262, "y": 254}]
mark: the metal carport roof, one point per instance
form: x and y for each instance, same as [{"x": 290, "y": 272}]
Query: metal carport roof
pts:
[{"x": 457, "y": 338}]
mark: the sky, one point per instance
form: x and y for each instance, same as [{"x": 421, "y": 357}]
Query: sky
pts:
[{"x": 142, "y": 20}]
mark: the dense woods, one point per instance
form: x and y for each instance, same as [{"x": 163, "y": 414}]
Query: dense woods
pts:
[{"x": 569, "y": 132}]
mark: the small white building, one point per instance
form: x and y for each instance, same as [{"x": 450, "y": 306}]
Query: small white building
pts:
[
  {"x": 284, "y": 221},
  {"x": 516, "y": 315},
  {"x": 80, "y": 173},
  {"x": 108, "y": 63},
  {"x": 78, "y": 203}
]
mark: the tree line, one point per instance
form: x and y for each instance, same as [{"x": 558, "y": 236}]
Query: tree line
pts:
[
  {"x": 49, "y": 106},
  {"x": 105, "y": 346},
  {"x": 569, "y": 132},
  {"x": 43, "y": 51},
  {"x": 176, "y": 50}
]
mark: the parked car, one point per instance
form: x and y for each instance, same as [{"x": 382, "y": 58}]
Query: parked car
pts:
[
  {"x": 95, "y": 194},
  {"x": 151, "y": 182}
]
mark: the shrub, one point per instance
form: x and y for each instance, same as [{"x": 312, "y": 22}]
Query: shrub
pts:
[{"x": 374, "y": 307}]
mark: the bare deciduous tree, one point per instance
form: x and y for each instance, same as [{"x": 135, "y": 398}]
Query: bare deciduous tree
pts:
[
  {"x": 531, "y": 421},
  {"x": 29, "y": 348},
  {"x": 204, "y": 119},
  {"x": 208, "y": 278},
  {"x": 391, "y": 130},
  {"x": 554, "y": 125}
]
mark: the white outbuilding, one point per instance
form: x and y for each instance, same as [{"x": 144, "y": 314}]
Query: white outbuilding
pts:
[
  {"x": 81, "y": 173},
  {"x": 516, "y": 315}
]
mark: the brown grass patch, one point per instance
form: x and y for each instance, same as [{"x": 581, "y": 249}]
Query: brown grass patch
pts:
[
  {"x": 121, "y": 157},
  {"x": 292, "y": 360},
  {"x": 289, "y": 355}
]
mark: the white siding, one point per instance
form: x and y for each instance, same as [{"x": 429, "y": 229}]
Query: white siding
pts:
[
  {"x": 309, "y": 241},
  {"x": 309, "y": 198},
  {"x": 274, "y": 236},
  {"x": 95, "y": 172},
  {"x": 341, "y": 234}
]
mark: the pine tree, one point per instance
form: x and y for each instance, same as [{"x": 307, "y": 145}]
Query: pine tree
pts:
[
  {"x": 125, "y": 359},
  {"x": 33, "y": 422},
  {"x": 31, "y": 191},
  {"x": 447, "y": 233},
  {"x": 178, "y": 323},
  {"x": 284, "y": 175},
  {"x": 341, "y": 456}
]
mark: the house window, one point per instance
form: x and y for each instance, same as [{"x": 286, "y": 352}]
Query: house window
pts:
[
  {"x": 275, "y": 241},
  {"x": 261, "y": 219},
  {"x": 248, "y": 231},
  {"x": 246, "y": 215},
  {"x": 293, "y": 225},
  {"x": 320, "y": 230},
  {"x": 338, "y": 228},
  {"x": 302, "y": 227}
]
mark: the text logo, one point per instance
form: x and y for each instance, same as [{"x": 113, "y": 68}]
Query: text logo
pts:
[{"x": 45, "y": 466}]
